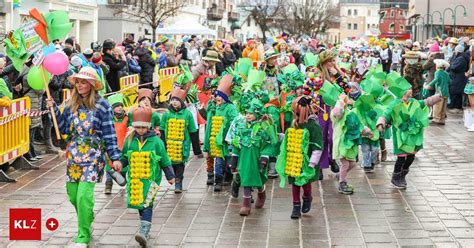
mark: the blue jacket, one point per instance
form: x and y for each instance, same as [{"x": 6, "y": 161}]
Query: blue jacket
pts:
[{"x": 133, "y": 66}]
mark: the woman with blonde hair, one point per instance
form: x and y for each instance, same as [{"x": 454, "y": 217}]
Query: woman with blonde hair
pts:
[{"x": 87, "y": 120}]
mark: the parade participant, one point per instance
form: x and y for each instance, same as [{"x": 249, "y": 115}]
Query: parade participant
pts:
[
  {"x": 293, "y": 82},
  {"x": 208, "y": 114},
  {"x": 440, "y": 82},
  {"x": 120, "y": 124},
  {"x": 408, "y": 118},
  {"x": 285, "y": 57},
  {"x": 88, "y": 121},
  {"x": 271, "y": 71},
  {"x": 219, "y": 126},
  {"x": 413, "y": 72},
  {"x": 386, "y": 56},
  {"x": 251, "y": 51},
  {"x": 251, "y": 143},
  {"x": 145, "y": 156},
  {"x": 298, "y": 161},
  {"x": 145, "y": 98},
  {"x": 177, "y": 128}
]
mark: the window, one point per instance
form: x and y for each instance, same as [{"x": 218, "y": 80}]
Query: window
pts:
[
  {"x": 368, "y": 26},
  {"x": 373, "y": 25},
  {"x": 402, "y": 28},
  {"x": 355, "y": 26},
  {"x": 392, "y": 27},
  {"x": 355, "y": 12},
  {"x": 349, "y": 12},
  {"x": 248, "y": 21},
  {"x": 392, "y": 13},
  {"x": 349, "y": 26}
]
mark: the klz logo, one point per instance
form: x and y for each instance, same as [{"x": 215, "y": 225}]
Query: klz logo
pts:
[{"x": 25, "y": 224}]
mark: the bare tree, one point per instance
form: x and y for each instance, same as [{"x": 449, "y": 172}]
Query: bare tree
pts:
[
  {"x": 266, "y": 13},
  {"x": 151, "y": 12},
  {"x": 307, "y": 17}
]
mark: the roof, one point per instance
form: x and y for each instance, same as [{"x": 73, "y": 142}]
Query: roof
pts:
[{"x": 359, "y": 1}]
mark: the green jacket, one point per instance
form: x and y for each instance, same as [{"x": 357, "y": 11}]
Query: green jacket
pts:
[
  {"x": 312, "y": 140},
  {"x": 408, "y": 124},
  {"x": 228, "y": 111},
  {"x": 441, "y": 81},
  {"x": 159, "y": 160},
  {"x": 211, "y": 111},
  {"x": 189, "y": 127}
]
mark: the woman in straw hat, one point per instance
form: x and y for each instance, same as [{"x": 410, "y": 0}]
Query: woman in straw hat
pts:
[{"x": 87, "y": 120}]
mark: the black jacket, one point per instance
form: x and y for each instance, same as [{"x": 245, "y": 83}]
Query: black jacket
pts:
[
  {"x": 459, "y": 66},
  {"x": 147, "y": 64},
  {"x": 115, "y": 66}
]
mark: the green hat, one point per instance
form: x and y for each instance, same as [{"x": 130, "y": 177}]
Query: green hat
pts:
[
  {"x": 330, "y": 93},
  {"x": 243, "y": 66},
  {"x": 256, "y": 108},
  {"x": 271, "y": 54},
  {"x": 163, "y": 39},
  {"x": 262, "y": 96},
  {"x": 244, "y": 101},
  {"x": 310, "y": 59},
  {"x": 115, "y": 99},
  {"x": 16, "y": 49},
  {"x": 291, "y": 77},
  {"x": 374, "y": 85},
  {"x": 254, "y": 80},
  {"x": 185, "y": 77},
  {"x": 398, "y": 86}
]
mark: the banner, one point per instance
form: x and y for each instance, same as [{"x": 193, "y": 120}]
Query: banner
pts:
[{"x": 33, "y": 41}]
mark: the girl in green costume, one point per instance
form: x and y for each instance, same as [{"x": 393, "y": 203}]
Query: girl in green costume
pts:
[
  {"x": 146, "y": 157},
  {"x": 348, "y": 131},
  {"x": 300, "y": 153},
  {"x": 251, "y": 140},
  {"x": 177, "y": 127},
  {"x": 409, "y": 118}
]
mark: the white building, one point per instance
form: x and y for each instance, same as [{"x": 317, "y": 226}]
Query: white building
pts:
[
  {"x": 358, "y": 17},
  {"x": 82, "y": 13}
]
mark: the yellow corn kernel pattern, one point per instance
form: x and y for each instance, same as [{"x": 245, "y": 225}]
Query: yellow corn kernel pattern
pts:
[
  {"x": 216, "y": 124},
  {"x": 294, "y": 154},
  {"x": 140, "y": 164},
  {"x": 136, "y": 192},
  {"x": 174, "y": 142}
]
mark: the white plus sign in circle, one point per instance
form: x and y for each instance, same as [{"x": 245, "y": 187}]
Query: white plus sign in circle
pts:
[{"x": 52, "y": 224}]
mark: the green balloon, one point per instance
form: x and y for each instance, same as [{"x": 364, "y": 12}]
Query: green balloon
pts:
[{"x": 35, "y": 78}]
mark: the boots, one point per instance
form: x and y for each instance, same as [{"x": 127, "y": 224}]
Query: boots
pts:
[
  {"x": 306, "y": 204},
  {"x": 403, "y": 177},
  {"x": 218, "y": 183},
  {"x": 142, "y": 236},
  {"x": 246, "y": 206},
  {"x": 235, "y": 189},
  {"x": 272, "y": 174},
  {"x": 108, "y": 188},
  {"x": 334, "y": 167},
  {"x": 261, "y": 196},
  {"x": 296, "y": 213},
  {"x": 210, "y": 178},
  {"x": 384, "y": 155},
  {"x": 396, "y": 181}
]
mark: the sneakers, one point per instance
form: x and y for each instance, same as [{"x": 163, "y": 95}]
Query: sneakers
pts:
[
  {"x": 306, "y": 204},
  {"x": 368, "y": 169},
  {"x": 210, "y": 179},
  {"x": 142, "y": 236},
  {"x": 345, "y": 188},
  {"x": 296, "y": 213},
  {"x": 108, "y": 188},
  {"x": 397, "y": 182}
]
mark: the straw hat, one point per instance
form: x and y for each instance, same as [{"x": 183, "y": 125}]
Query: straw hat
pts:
[
  {"x": 89, "y": 74},
  {"x": 212, "y": 56},
  {"x": 325, "y": 56},
  {"x": 453, "y": 40},
  {"x": 411, "y": 55}
]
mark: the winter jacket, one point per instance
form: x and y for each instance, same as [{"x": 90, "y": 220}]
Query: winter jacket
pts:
[
  {"x": 229, "y": 59},
  {"x": 459, "y": 66},
  {"x": 115, "y": 66},
  {"x": 147, "y": 64},
  {"x": 133, "y": 66}
]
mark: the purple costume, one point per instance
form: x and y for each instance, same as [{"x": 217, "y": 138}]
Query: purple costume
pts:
[{"x": 326, "y": 126}]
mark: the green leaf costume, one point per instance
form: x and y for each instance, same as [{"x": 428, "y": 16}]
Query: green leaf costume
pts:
[{"x": 347, "y": 133}]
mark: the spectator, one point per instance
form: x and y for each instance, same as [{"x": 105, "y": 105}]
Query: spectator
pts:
[
  {"x": 430, "y": 66},
  {"x": 207, "y": 66},
  {"x": 459, "y": 66},
  {"x": 98, "y": 66},
  {"x": 172, "y": 58},
  {"x": 147, "y": 65},
  {"x": 133, "y": 66},
  {"x": 193, "y": 52},
  {"x": 251, "y": 51},
  {"x": 75, "y": 64},
  {"x": 237, "y": 49},
  {"x": 69, "y": 44},
  {"x": 116, "y": 63},
  {"x": 207, "y": 45},
  {"x": 228, "y": 57},
  {"x": 386, "y": 57}
]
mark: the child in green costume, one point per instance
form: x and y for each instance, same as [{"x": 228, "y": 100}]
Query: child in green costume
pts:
[
  {"x": 251, "y": 141},
  {"x": 145, "y": 98},
  {"x": 293, "y": 81},
  {"x": 177, "y": 127},
  {"x": 145, "y": 155},
  {"x": 409, "y": 118},
  {"x": 440, "y": 83},
  {"x": 300, "y": 153}
]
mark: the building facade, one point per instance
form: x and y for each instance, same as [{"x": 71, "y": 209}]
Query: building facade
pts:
[
  {"x": 451, "y": 17},
  {"x": 393, "y": 23},
  {"x": 358, "y": 18}
]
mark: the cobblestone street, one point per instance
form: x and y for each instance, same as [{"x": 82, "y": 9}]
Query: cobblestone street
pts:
[{"x": 437, "y": 209}]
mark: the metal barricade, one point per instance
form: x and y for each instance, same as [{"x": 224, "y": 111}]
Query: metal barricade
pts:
[
  {"x": 130, "y": 83},
  {"x": 167, "y": 77}
]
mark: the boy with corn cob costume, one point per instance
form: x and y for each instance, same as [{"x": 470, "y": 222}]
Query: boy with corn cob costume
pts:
[
  {"x": 300, "y": 153},
  {"x": 177, "y": 128},
  {"x": 251, "y": 141},
  {"x": 218, "y": 127},
  {"x": 145, "y": 98},
  {"x": 145, "y": 155}
]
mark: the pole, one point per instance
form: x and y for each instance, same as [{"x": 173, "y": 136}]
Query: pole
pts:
[
  {"x": 444, "y": 16},
  {"x": 432, "y": 16},
  {"x": 51, "y": 109}
]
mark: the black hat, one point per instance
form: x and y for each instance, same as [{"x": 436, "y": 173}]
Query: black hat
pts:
[{"x": 69, "y": 41}]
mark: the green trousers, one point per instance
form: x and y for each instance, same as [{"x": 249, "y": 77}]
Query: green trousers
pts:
[{"x": 81, "y": 195}]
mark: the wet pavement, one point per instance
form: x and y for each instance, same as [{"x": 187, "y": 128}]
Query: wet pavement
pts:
[{"x": 437, "y": 209}]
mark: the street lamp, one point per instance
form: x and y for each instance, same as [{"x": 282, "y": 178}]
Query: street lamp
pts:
[
  {"x": 416, "y": 28},
  {"x": 429, "y": 20},
  {"x": 454, "y": 16}
]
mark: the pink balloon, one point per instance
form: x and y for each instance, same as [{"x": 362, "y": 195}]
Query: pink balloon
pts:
[{"x": 56, "y": 63}]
